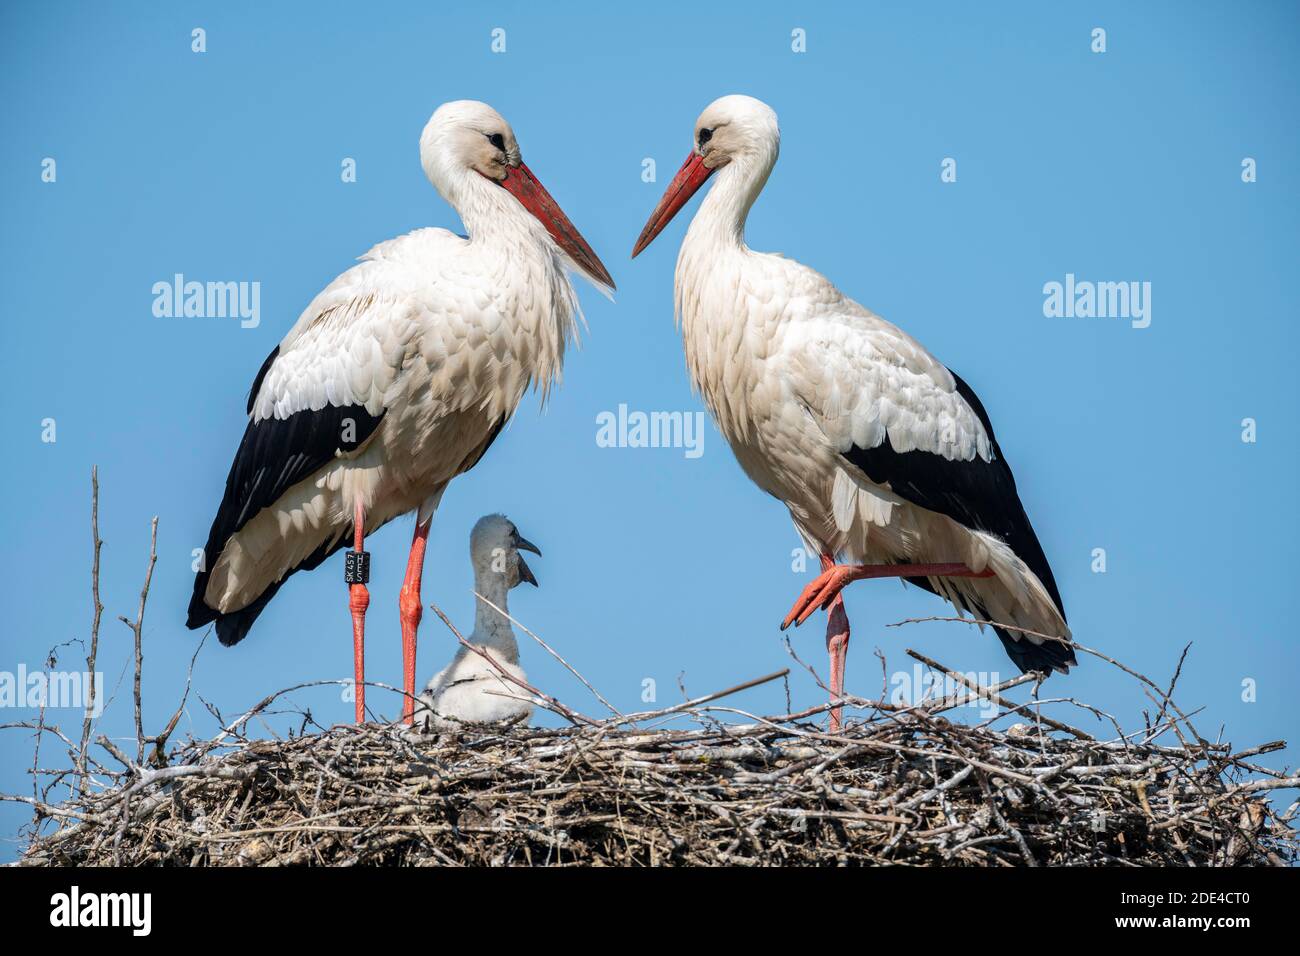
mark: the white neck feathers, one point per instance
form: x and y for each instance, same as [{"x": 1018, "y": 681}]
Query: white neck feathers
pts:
[{"x": 524, "y": 258}]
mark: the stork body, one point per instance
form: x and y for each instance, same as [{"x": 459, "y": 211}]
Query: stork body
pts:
[
  {"x": 396, "y": 379},
  {"x": 482, "y": 683},
  {"x": 885, "y": 458}
]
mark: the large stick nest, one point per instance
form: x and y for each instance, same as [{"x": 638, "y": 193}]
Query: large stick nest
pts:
[
  {"x": 900, "y": 785},
  {"x": 905, "y": 787}
]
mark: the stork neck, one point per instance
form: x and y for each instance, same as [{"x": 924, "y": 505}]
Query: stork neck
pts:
[
  {"x": 491, "y": 214},
  {"x": 722, "y": 215},
  {"x": 517, "y": 248},
  {"x": 491, "y": 628}
]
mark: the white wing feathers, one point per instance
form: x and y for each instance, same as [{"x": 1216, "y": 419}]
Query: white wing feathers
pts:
[
  {"x": 863, "y": 381},
  {"x": 348, "y": 346}
]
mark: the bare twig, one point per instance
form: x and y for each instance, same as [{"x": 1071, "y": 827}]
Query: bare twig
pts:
[
  {"x": 137, "y": 630},
  {"x": 93, "y": 653},
  {"x": 988, "y": 694},
  {"x": 550, "y": 650},
  {"x": 699, "y": 701},
  {"x": 546, "y": 699}
]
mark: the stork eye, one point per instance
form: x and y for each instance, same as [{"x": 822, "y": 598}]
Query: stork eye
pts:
[
  {"x": 497, "y": 140},
  {"x": 705, "y": 136}
]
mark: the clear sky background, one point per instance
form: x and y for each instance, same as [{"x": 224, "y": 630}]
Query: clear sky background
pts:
[{"x": 1119, "y": 166}]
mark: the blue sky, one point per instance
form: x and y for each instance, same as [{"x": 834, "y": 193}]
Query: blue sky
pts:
[{"x": 1117, "y": 166}]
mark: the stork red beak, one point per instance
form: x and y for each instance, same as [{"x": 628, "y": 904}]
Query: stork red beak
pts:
[
  {"x": 688, "y": 179},
  {"x": 523, "y": 185}
]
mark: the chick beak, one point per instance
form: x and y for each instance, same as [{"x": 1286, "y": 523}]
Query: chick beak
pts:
[{"x": 525, "y": 572}]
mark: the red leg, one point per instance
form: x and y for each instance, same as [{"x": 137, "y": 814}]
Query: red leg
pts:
[
  {"x": 835, "y": 577},
  {"x": 824, "y": 592},
  {"x": 358, "y": 601},
  {"x": 837, "y": 646},
  {"x": 410, "y": 610}
]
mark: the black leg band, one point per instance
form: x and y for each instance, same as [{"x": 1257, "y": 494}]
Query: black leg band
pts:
[{"x": 356, "y": 567}]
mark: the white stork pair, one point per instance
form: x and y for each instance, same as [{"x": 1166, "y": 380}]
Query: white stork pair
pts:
[{"x": 400, "y": 374}]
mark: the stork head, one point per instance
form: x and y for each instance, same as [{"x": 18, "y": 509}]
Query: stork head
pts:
[
  {"x": 732, "y": 129},
  {"x": 469, "y": 135},
  {"x": 494, "y": 547},
  {"x": 466, "y": 140}
]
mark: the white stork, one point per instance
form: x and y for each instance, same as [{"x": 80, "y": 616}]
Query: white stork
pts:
[
  {"x": 396, "y": 379},
  {"x": 885, "y": 458},
  {"x": 471, "y": 689}
]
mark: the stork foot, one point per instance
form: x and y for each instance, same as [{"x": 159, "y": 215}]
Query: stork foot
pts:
[
  {"x": 819, "y": 594},
  {"x": 827, "y": 586}
]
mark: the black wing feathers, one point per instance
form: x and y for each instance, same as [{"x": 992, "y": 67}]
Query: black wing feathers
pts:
[
  {"x": 261, "y": 374},
  {"x": 274, "y": 455},
  {"x": 980, "y": 495},
  {"x": 233, "y": 628}
]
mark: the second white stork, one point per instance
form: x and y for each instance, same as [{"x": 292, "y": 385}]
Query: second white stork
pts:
[
  {"x": 885, "y": 458},
  {"x": 396, "y": 379}
]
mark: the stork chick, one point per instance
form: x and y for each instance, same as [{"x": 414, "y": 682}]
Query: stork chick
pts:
[{"x": 472, "y": 688}]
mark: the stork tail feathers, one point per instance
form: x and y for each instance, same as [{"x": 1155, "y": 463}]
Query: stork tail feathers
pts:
[
  {"x": 1045, "y": 657},
  {"x": 234, "y": 626}
]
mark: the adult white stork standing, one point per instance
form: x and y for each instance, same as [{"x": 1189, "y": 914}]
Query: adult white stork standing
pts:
[
  {"x": 472, "y": 688},
  {"x": 396, "y": 379},
  {"x": 885, "y": 458}
]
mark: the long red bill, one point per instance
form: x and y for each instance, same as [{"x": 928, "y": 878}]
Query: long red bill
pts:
[
  {"x": 688, "y": 179},
  {"x": 523, "y": 185}
]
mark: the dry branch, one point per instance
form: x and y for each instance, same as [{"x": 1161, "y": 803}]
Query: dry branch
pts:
[
  {"x": 137, "y": 629},
  {"x": 94, "y": 627}
]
